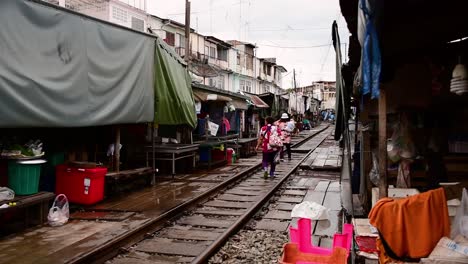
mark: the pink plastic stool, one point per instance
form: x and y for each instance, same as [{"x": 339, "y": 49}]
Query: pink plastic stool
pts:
[{"x": 302, "y": 236}]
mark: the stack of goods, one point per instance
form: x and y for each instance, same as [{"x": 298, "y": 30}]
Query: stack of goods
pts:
[
  {"x": 32, "y": 149},
  {"x": 459, "y": 82}
]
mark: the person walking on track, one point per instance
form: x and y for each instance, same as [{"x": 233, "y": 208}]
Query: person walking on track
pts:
[
  {"x": 286, "y": 127},
  {"x": 271, "y": 142}
]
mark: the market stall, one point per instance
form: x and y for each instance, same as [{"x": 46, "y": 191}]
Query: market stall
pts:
[
  {"x": 220, "y": 123},
  {"x": 90, "y": 113},
  {"x": 411, "y": 102},
  {"x": 255, "y": 115}
]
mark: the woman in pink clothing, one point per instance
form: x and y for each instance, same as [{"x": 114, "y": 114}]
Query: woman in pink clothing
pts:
[
  {"x": 269, "y": 153},
  {"x": 286, "y": 129}
]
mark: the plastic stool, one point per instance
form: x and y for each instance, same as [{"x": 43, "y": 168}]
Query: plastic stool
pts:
[{"x": 301, "y": 236}]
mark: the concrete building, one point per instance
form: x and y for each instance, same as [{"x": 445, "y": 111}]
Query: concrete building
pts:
[
  {"x": 131, "y": 14},
  {"x": 324, "y": 91},
  {"x": 227, "y": 65}
]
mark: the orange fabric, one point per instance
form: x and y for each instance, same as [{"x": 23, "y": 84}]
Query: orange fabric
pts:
[
  {"x": 412, "y": 227},
  {"x": 291, "y": 255},
  {"x": 383, "y": 257}
]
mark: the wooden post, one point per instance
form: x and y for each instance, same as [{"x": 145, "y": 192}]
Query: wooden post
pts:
[
  {"x": 153, "y": 151},
  {"x": 383, "y": 187},
  {"x": 366, "y": 160},
  {"x": 117, "y": 150}
]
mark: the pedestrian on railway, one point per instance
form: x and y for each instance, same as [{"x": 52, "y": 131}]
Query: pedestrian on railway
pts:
[
  {"x": 287, "y": 127},
  {"x": 271, "y": 143}
]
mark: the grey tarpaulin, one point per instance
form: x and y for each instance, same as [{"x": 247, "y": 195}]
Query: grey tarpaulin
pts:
[{"x": 59, "y": 69}]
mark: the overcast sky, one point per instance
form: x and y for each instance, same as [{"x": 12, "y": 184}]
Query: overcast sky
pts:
[{"x": 280, "y": 28}]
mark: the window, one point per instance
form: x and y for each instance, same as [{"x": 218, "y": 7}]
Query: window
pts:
[
  {"x": 138, "y": 24},
  {"x": 213, "y": 52},
  {"x": 267, "y": 88},
  {"x": 249, "y": 63},
  {"x": 181, "y": 40},
  {"x": 119, "y": 14},
  {"x": 248, "y": 86},
  {"x": 238, "y": 58},
  {"x": 221, "y": 82},
  {"x": 170, "y": 39},
  {"x": 242, "y": 85},
  {"x": 222, "y": 54},
  {"x": 207, "y": 51}
]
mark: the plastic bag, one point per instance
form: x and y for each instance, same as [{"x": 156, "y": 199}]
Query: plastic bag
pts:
[
  {"x": 460, "y": 222},
  {"x": 374, "y": 173},
  {"x": 59, "y": 212},
  {"x": 403, "y": 178},
  {"x": 6, "y": 194},
  {"x": 311, "y": 210},
  {"x": 401, "y": 146}
]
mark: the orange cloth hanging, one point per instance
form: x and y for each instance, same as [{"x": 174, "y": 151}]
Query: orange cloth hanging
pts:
[{"x": 412, "y": 227}]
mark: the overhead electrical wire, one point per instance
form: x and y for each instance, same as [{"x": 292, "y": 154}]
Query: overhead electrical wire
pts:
[{"x": 295, "y": 47}]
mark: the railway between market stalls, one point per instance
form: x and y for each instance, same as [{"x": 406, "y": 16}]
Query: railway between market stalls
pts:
[{"x": 195, "y": 230}]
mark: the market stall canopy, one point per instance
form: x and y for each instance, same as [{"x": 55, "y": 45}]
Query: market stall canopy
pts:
[
  {"x": 174, "y": 102},
  {"x": 240, "y": 104},
  {"x": 61, "y": 69},
  {"x": 203, "y": 93},
  {"x": 404, "y": 30},
  {"x": 257, "y": 102},
  {"x": 205, "y": 97}
]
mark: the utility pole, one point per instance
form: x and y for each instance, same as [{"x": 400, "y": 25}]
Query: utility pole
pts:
[
  {"x": 187, "y": 30},
  {"x": 295, "y": 90}
]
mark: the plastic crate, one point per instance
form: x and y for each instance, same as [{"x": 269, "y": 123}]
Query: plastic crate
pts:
[
  {"x": 81, "y": 185},
  {"x": 47, "y": 182},
  {"x": 217, "y": 155},
  {"x": 230, "y": 157},
  {"x": 204, "y": 154},
  {"x": 23, "y": 176}
]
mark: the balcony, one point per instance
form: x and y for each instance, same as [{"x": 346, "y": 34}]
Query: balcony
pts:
[{"x": 180, "y": 51}]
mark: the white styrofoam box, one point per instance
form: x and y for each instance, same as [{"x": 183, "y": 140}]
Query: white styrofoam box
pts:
[{"x": 395, "y": 193}]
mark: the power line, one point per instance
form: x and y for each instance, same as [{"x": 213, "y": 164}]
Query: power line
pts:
[
  {"x": 289, "y": 29},
  {"x": 208, "y": 10},
  {"x": 296, "y": 47}
]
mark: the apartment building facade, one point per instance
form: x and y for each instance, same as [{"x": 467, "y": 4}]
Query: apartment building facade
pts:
[
  {"x": 228, "y": 65},
  {"x": 131, "y": 14},
  {"x": 324, "y": 91}
]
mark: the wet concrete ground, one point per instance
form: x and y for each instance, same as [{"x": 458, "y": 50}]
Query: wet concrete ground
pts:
[{"x": 62, "y": 244}]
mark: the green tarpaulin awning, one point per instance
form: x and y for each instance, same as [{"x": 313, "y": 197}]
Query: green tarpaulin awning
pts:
[{"x": 174, "y": 103}]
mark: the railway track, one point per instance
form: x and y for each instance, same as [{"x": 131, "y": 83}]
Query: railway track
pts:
[{"x": 195, "y": 230}]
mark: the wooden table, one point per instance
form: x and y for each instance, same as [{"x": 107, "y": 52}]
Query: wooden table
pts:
[
  {"x": 248, "y": 146},
  {"x": 36, "y": 207},
  {"x": 208, "y": 146},
  {"x": 172, "y": 152}
]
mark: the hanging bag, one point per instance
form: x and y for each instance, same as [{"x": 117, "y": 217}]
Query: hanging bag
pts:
[
  {"x": 274, "y": 139},
  {"x": 460, "y": 222},
  {"x": 59, "y": 212}
]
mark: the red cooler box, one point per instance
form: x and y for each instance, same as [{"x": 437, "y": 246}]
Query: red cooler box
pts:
[{"x": 80, "y": 185}]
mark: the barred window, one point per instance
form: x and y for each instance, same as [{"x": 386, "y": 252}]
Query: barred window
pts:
[{"x": 119, "y": 14}]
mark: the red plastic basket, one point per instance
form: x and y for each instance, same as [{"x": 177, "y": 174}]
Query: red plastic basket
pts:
[{"x": 80, "y": 185}]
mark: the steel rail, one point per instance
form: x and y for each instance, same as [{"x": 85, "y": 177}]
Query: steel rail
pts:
[
  {"x": 220, "y": 241},
  {"x": 113, "y": 247}
]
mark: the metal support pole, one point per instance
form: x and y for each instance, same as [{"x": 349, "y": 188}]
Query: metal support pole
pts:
[{"x": 187, "y": 30}]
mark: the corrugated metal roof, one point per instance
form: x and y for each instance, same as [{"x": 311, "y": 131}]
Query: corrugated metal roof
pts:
[
  {"x": 204, "y": 97},
  {"x": 259, "y": 103}
]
